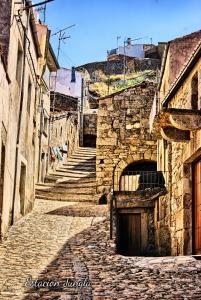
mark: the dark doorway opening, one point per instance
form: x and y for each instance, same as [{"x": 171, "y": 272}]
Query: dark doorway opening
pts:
[
  {"x": 103, "y": 200},
  {"x": 89, "y": 140},
  {"x": 129, "y": 234},
  {"x": 2, "y": 182},
  {"x": 22, "y": 189}
]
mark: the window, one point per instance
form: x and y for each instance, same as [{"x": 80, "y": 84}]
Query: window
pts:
[
  {"x": 73, "y": 75},
  {"x": 29, "y": 95},
  {"x": 19, "y": 65},
  {"x": 194, "y": 92},
  {"x": 61, "y": 132},
  {"x": 45, "y": 129}
]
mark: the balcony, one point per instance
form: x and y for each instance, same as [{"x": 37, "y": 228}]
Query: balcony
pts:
[{"x": 173, "y": 124}]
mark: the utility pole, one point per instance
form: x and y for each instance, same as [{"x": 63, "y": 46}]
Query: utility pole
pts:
[
  {"x": 128, "y": 41},
  {"x": 108, "y": 75},
  {"x": 118, "y": 38},
  {"x": 124, "y": 60},
  {"x": 62, "y": 37}
]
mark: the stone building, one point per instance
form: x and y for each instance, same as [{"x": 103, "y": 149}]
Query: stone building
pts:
[
  {"x": 126, "y": 164},
  {"x": 20, "y": 51},
  {"x": 64, "y": 127},
  {"x": 176, "y": 122},
  {"x": 97, "y": 69},
  {"x": 47, "y": 64}
]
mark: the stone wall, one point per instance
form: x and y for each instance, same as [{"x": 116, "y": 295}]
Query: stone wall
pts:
[
  {"x": 64, "y": 129},
  {"x": 90, "y": 124},
  {"x": 19, "y": 189},
  {"x": 63, "y": 102},
  {"x": 5, "y": 16},
  {"x": 123, "y": 135},
  {"x": 95, "y": 69},
  {"x": 175, "y": 209}
]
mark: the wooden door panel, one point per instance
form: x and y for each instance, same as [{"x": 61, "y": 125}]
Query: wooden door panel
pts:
[
  {"x": 197, "y": 207},
  {"x": 129, "y": 234}
]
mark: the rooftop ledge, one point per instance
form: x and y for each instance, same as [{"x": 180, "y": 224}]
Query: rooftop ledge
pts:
[{"x": 174, "y": 124}]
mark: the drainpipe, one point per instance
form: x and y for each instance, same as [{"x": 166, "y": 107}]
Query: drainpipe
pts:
[
  {"x": 40, "y": 136},
  {"x": 49, "y": 137},
  {"x": 25, "y": 31},
  {"x": 81, "y": 115}
]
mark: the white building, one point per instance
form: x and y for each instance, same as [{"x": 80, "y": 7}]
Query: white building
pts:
[
  {"x": 69, "y": 82},
  {"x": 136, "y": 50}
]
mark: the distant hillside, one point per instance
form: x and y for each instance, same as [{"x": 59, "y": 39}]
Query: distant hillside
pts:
[{"x": 114, "y": 83}]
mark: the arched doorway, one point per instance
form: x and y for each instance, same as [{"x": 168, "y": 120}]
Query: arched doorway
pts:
[{"x": 138, "y": 183}]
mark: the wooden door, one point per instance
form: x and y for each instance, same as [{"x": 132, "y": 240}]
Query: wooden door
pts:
[
  {"x": 129, "y": 234},
  {"x": 197, "y": 207}
]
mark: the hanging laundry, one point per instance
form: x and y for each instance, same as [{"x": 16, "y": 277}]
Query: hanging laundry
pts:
[{"x": 59, "y": 156}]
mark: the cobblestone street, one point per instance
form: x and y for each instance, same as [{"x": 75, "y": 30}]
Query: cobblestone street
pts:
[
  {"x": 64, "y": 241},
  {"x": 56, "y": 242}
]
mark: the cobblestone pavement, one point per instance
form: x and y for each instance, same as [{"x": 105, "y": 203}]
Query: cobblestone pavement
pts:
[
  {"x": 60, "y": 241},
  {"x": 64, "y": 243}
]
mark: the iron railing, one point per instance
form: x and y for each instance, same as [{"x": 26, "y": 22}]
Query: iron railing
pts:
[{"x": 131, "y": 181}]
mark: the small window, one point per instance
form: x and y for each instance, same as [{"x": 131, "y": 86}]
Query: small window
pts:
[
  {"x": 61, "y": 131},
  {"x": 19, "y": 65},
  {"x": 194, "y": 92},
  {"x": 157, "y": 210},
  {"x": 45, "y": 124},
  {"x": 29, "y": 95}
]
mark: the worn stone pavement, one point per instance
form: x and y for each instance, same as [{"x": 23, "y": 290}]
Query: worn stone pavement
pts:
[{"x": 65, "y": 241}]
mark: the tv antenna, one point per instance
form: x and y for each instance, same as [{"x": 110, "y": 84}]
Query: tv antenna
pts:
[
  {"x": 62, "y": 37},
  {"x": 42, "y": 10}
]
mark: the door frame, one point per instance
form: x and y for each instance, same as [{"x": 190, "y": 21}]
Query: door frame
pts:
[{"x": 193, "y": 204}]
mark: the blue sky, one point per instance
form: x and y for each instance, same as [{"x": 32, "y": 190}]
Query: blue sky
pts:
[{"x": 99, "y": 22}]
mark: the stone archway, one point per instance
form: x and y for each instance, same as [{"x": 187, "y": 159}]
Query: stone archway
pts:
[{"x": 123, "y": 164}]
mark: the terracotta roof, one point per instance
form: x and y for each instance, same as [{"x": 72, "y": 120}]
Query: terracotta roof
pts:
[{"x": 196, "y": 55}]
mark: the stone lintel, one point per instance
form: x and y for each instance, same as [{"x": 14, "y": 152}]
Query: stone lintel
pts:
[
  {"x": 183, "y": 119},
  {"x": 173, "y": 134},
  {"x": 186, "y": 121}
]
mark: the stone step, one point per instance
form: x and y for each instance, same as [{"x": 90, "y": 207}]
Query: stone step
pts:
[
  {"x": 73, "y": 171},
  {"x": 78, "y": 168},
  {"x": 80, "y": 161},
  {"x": 82, "y": 151},
  {"x": 69, "y": 198},
  {"x": 64, "y": 190},
  {"x": 68, "y": 184}
]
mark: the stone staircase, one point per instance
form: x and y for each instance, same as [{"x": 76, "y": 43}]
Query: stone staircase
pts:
[{"x": 74, "y": 181}]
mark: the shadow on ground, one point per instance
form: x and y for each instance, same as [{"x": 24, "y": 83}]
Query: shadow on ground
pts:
[
  {"x": 81, "y": 210},
  {"x": 90, "y": 256}
]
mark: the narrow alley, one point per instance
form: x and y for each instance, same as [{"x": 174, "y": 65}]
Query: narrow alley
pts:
[
  {"x": 66, "y": 237},
  {"x": 100, "y": 150}
]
